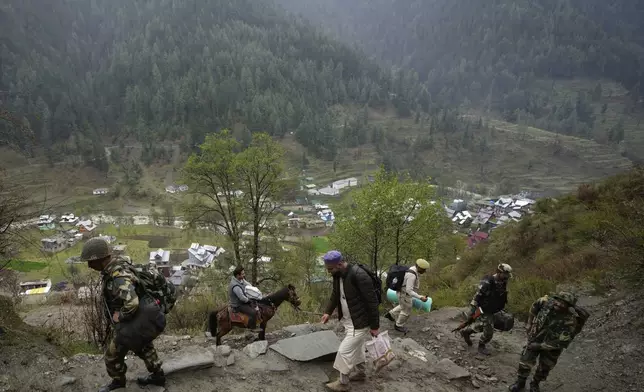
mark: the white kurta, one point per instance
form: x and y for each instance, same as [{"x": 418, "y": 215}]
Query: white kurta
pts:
[{"x": 352, "y": 349}]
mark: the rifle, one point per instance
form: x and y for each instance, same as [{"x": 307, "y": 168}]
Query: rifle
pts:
[{"x": 469, "y": 320}]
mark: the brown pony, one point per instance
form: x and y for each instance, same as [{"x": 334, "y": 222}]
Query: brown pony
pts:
[{"x": 220, "y": 322}]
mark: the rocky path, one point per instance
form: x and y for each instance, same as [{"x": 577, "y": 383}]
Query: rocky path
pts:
[{"x": 606, "y": 356}]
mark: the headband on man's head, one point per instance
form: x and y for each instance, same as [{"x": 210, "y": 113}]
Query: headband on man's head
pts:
[{"x": 332, "y": 257}]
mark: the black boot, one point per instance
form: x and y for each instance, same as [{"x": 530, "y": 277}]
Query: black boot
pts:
[
  {"x": 157, "y": 378},
  {"x": 401, "y": 329},
  {"x": 518, "y": 385},
  {"x": 389, "y": 317},
  {"x": 466, "y": 336},
  {"x": 483, "y": 350},
  {"x": 534, "y": 386},
  {"x": 115, "y": 384}
]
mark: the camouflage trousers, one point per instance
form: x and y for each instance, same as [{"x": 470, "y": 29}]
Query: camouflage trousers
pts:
[
  {"x": 485, "y": 324},
  {"x": 115, "y": 359},
  {"x": 547, "y": 361}
]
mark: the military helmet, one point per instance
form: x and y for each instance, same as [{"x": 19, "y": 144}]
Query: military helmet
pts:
[
  {"x": 95, "y": 249},
  {"x": 566, "y": 297}
]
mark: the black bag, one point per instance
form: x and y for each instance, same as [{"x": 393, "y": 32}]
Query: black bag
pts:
[
  {"x": 146, "y": 325},
  {"x": 377, "y": 282},
  {"x": 396, "y": 276},
  {"x": 503, "y": 321}
]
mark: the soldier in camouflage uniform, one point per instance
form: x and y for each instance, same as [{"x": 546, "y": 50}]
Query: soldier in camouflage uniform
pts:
[
  {"x": 491, "y": 297},
  {"x": 121, "y": 302},
  {"x": 551, "y": 328}
]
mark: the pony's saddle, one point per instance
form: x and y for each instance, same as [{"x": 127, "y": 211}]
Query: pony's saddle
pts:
[{"x": 242, "y": 318}]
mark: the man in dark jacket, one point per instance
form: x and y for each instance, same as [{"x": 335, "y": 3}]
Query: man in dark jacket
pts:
[
  {"x": 357, "y": 304},
  {"x": 491, "y": 297},
  {"x": 239, "y": 301}
]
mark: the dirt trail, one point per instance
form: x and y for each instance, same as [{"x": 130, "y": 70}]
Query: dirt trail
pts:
[{"x": 606, "y": 356}]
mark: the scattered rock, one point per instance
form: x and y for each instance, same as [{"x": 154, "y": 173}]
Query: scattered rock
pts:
[
  {"x": 302, "y": 329},
  {"x": 190, "y": 361},
  {"x": 475, "y": 384},
  {"x": 308, "y": 347},
  {"x": 256, "y": 349},
  {"x": 66, "y": 380},
  {"x": 426, "y": 329},
  {"x": 223, "y": 350},
  {"x": 49, "y": 314},
  {"x": 230, "y": 360},
  {"x": 619, "y": 303},
  {"x": 449, "y": 369}
]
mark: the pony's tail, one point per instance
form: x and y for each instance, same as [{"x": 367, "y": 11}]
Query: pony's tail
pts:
[{"x": 212, "y": 323}]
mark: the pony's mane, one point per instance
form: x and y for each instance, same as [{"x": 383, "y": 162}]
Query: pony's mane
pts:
[{"x": 280, "y": 295}]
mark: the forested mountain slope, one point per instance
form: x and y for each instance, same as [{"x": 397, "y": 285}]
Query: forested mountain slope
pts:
[
  {"x": 495, "y": 54},
  {"x": 81, "y": 70}
]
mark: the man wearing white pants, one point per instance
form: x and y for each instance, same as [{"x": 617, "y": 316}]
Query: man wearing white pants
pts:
[
  {"x": 355, "y": 299},
  {"x": 411, "y": 282}
]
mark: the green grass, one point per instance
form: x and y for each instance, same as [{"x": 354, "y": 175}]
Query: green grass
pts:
[
  {"x": 321, "y": 244},
  {"x": 25, "y": 266}
]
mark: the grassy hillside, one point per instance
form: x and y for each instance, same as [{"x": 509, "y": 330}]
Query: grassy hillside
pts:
[{"x": 592, "y": 237}]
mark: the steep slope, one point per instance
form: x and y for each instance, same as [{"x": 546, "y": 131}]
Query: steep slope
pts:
[{"x": 175, "y": 69}]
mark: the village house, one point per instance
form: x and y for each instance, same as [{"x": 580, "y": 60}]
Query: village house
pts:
[
  {"x": 53, "y": 244},
  {"x": 87, "y": 228},
  {"x": 347, "y": 182},
  {"x": 476, "y": 237},
  {"x": 201, "y": 256},
  {"x": 46, "y": 222},
  {"x": 329, "y": 191},
  {"x": 462, "y": 218},
  {"x": 171, "y": 189},
  {"x": 69, "y": 219},
  {"x": 119, "y": 250},
  {"x": 161, "y": 259},
  {"x": 35, "y": 287},
  {"x": 100, "y": 191}
]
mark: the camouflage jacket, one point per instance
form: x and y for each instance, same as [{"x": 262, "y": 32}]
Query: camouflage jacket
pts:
[
  {"x": 554, "y": 330},
  {"x": 119, "y": 289}
]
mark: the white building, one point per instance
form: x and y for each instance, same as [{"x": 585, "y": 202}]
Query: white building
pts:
[
  {"x": 328, "y": 191},
  {"x": 347, "y": 182},
  {"x": 201, "y": 256},
  {"x": 100, "y": 191}
]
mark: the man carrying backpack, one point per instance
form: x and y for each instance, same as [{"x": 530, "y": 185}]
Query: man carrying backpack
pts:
[
  {"x": 130, "y": 311},
  {"x": 552, "y": 324},
  {"x": 491, "y": 297},
  {"x": 357, "y": 302},
  {"x": 405, "y": 282}
]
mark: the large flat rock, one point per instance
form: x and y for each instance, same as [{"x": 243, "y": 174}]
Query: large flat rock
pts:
[
  {"x": 308, "y": 347},
  {"x": 448, "y": 369},
  {"x": 193, "y": 360}
]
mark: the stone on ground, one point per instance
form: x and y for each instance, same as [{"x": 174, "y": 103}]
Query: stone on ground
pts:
[
  {"x": 304, "y": 329},
  {"x": 192, "y": 360},
  {"x": 308, "y": 347},
  {"x": 256, "y": 349},
  {"x": 448, "y": 369}
]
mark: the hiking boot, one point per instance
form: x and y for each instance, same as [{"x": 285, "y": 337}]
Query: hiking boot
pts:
[
  {"x": 466, "y": 336},
  {"x": 337, "y": 386},
  {"x": 157, "y": 378},
  {"x": 389, "y": 317},
  {"x": 534, "y": 386},
  {"x": 483, "y": 350},
  {"x": 401, "y": 329},
  {"x": 359, "y": 376},
  {"x": 518, "y": 385},
  {"x": 115, "y": 384}
]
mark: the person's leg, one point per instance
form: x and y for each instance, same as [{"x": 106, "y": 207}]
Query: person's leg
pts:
[
  {"x": 405, "y": 312},
  {"x": 251, "y": 313},
  {"x": 487, "y": 326},
  {"x": 115, "y": 364},
  {"x": 526, "y": 362},
  {"x": 547, "y": 361},
  {"x": 152, "y": 362}
]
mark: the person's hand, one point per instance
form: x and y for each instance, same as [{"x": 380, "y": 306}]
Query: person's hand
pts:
[
  {"x": 115, "y": 317},
  {"x": 534, "y": 346},
  {"x": 423, "y": 298},
  {"x": 528, "y": 328},
  {"x": 325, "y": 318},
  {"x": 374, "y": 332},
  {"x": 472, "y": 311}
]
